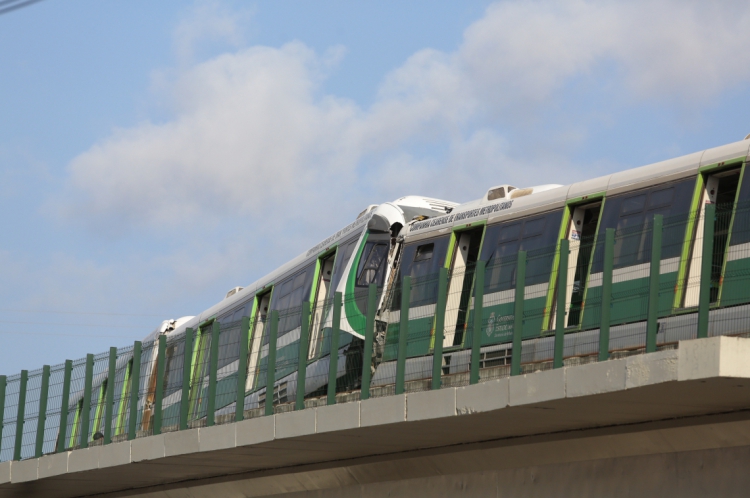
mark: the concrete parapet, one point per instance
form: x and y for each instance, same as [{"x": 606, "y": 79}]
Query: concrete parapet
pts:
[
  {"x": 431, "y": 404},
  {"x": 218, "y": 437},
  {"x": 387, "y": 410},
  {"x": 482, "y": 397},
  {"x": 653, "y": 368},
  {"x": 53, "y": 465},
  {"x": 147, "y": 448},
  {"x": 295, "y": 424},
  {"x": 595, "y": 378},
  {"x": 256, "y": 430},
  {"x": 689, "y": 399},
  {"x": 714, "y": 357},
  {"x": 182, "y": 442},
  {"x": 24, "y": 470},
  {"x": 114, "y": 454},
  {"x": 84, "y": 459},
  {"x": 338, "y": 417},
  {"x": 537, "y": 387}
]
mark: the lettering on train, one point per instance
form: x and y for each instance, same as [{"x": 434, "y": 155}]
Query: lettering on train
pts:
[{"x": 444, "y": 220}]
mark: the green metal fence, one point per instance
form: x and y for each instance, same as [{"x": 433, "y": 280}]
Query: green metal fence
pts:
[{"x": 579, "y": 301}]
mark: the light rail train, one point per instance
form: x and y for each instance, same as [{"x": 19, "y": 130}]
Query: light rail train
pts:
[{"x": 417, "y": 236}]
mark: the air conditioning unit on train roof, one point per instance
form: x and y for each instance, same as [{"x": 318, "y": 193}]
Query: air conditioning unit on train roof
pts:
[
  {"x": 500, "y": 192},
  {"x": 233, "y": 291}
]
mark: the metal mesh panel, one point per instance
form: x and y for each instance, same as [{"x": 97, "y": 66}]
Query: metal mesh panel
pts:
[
  {"x": 121, "y": 394},
  {"x": 31, "y": 413},
  {"x": 54, "y": 401},
  {"x": 226, "y": 376},
  {"x": 175, "y": 357},
  {"x": 11, "y": 413},
  {"x": 682, "y": 282}
]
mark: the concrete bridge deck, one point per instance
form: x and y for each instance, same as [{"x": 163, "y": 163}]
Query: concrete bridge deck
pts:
[{"x": 671, "y": 423}]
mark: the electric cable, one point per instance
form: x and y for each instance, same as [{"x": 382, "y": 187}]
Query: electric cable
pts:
[
  {"x": 7, "y": 6},
  {"x": 53, "y": 334},
  {"x": 56, "y": 324},
  {"x": 9, "y": 310}
]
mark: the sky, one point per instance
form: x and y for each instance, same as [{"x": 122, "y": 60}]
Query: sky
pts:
[{"x": 154, "y": 155}]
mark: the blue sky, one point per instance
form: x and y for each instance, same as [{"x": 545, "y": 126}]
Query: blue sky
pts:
[{"x": 155, "y": 154}]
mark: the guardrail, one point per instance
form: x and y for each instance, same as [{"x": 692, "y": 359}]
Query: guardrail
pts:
[{"x": 218, "y": 373}]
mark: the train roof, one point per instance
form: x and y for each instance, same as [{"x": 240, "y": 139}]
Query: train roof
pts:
[
  {"x": 554, "y": 196},
  {"x": 409, "y": 206}
]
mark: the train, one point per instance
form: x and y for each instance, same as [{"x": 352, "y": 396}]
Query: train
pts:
[{"x": 417, "y": 237}]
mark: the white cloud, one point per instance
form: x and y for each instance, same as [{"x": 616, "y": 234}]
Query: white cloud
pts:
[
  {"x": 253, "y": 129},
  {"x": 207, "y": 21}
]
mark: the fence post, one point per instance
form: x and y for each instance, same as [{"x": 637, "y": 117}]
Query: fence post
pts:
[
  {"x": 86, "y": 404},
  {"x": 403, "y": 333},
  {"x": 42, "y": 418},
  {"x": 437, "y": 350},
  {"x": 304, "y": 350},
  {"x": 704, "y": 301},
  {"x": 333, "y": 364},
  {"x": 606, "y": 308},
  {"x": 110, "y": 401},
  {"x": 135, "y": 383},
  {"x": 239, "y": 403},
  {"x": 271, "y": 368},
  {"x": 372, "y": 303},
  {"x": 64, "y": 406},
  {"x": 652, "y": 324},
  {"x": 187, "y": 369},
  {"x": 161, "y": 367},
  {"x": 21, "y": 413},
  {"x": 476, "y": 339},
  {"x": 213, "y": 367},
  {"x": 562, "y": 293},
  {"x": 515, "y": 361},
  {"x": 3, "y": 383}
]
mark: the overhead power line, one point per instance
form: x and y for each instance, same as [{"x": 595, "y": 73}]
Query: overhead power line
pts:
[
  {"x": 61, "y": 334},
  {"x": 11, "y": 5},
  {"x": 57, "y": 324},
  {"x": 55, "y": 312}
]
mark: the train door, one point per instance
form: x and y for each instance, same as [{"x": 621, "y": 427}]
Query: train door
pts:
[
  {"x": 631, "y": 214},
  {"x": 538, "y": 235},
  {"x": 321, "y": 304},
  {"x": 581, "y": 233},
  {"x": 721, "y": 189},
  {"x": 257, "y": 328},
  {"x": 461, "y": 282}
]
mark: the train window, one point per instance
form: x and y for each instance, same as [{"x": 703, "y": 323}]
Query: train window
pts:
[
  {"x": 533, "y": 227},
  {"x": 421, "y": 270},
  {"x": 510, "y": 232},
  {"x": 741, "y": 225},
  {"x": 371, "y": 267},
  {"x": 633, "y": 204},
  {"x": 631, "y": 215},
  {"x": 173, "y": 369},
  {"x": 424, "y": 252},
  {"x": 661, "y": 198},
  {"x": 537, "y": 236},
  {"x": 342, "y": 259},
  {"x": 292, "y": 292},
  {"x": 496, "y": 193}
]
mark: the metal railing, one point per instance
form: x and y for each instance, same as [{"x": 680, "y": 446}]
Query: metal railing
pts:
[{"x": 432, "y": 332}]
